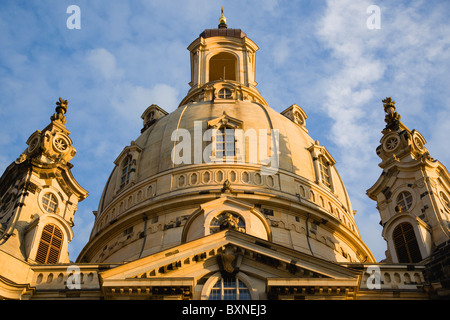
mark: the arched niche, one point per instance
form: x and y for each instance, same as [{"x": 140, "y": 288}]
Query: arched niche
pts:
[
  {"x": 204, "y": 220},
  {"x": 222, "y": 66}
]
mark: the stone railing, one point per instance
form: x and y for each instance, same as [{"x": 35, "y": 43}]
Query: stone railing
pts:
[
  {"x": 392, "y": 277},
  {"x": 65, "y": 277}
]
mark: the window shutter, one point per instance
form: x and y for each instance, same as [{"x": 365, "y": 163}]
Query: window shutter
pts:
[
  {"x": 50, "y": 245},
  {"x": 405, "y": 243}
]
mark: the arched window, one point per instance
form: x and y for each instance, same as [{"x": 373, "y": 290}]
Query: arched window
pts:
[
  {"x": 49, "y": 245},
  {"x": 324, "y": 167},
  {"x": 126, "y": 171},
  {"x": 222, "y": 66},
  {"x": 227, "y": 220},
  {"x": 404, "y": 200},
  {"x": 225, "y": 142},
  {"x": 229, "y": 289},
  {"x": 405, "y": 243},
  {"x": 49, "y": 202}
]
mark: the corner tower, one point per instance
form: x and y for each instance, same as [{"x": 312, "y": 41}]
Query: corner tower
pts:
[
  {"x": 412, "y": 193},
  {"x": 39, "y": 197}
]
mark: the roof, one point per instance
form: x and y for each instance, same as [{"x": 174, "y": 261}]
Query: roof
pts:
[{"x": 223, "y": 32}]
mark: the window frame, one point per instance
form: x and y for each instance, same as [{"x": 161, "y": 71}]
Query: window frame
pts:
[
  {"x": 48, "y": 201},
  {"x": 216, "y": 126},
  {"x": 223, "y": 132},
  {"x": 223, "y": 289},
  {"x": 404, "y": 201},
  {"x": 130, "y": 157},
  {"x": 126, "y": 169},
  {"x": 225, "y": 93},
  {"x": 319, "y": 152},
  {"x": 405, "y": 243},
  {"x": 324, "y": 171},
  {"x": 49, "y": 252}
]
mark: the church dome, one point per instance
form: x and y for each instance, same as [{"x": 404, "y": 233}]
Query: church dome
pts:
[{"x": 224, "y": 159}]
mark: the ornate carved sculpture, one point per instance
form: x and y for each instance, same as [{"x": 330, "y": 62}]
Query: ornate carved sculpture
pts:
[
  {"x": 61, "y": 109},
  {"x": 228, "y": 221},
  {"x": 226, "y": 186},
  {"x": 53, "y": 143},
  {"x": 392, "y": 118},
  {"x": 229, "y": 261}
]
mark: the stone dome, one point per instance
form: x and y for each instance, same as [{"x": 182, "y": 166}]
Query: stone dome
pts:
[
  {"x": 153, "y": 149},
  {"x": 173, "y": 185}
]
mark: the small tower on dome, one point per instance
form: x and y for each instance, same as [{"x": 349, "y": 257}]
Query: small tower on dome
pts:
[{"x": 222, "y": 66}]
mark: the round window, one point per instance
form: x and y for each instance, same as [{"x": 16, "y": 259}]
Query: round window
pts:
[
  {"x": 445, "y": 200},
  {"x": 391, "y": 143},
  {"x": 33, "y": 144},
  {"x": 49, "y": 202},
  {"x": 60, "y": 143},
  {"x": 418, "y": 143},
  {"x": 225, "y": 93},
  {"x": 404, "y": 201}
]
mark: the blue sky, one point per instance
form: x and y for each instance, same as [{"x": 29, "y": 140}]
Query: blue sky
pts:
[{"x": 317, "y": 54}]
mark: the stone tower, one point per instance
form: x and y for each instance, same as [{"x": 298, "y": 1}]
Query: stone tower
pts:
[
  {"x": 39, "y": 196},
  {"x": 412, "y": 193}
]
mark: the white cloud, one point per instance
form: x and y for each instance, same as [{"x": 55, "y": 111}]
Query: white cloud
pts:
[
  {"x": 405, "y": 59},
  {"x": 104, "y": 62},
  {"x": 129, "y": 55},
  {"x": 131, "y": 101},
  {"x": 281, "y": 51}
]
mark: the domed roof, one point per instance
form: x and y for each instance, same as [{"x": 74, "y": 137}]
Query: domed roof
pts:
[
  {"x": 156, "y": 145},
  {"x": 224, "y": 154}
]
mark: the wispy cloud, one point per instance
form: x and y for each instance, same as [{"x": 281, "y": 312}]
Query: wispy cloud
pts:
[
  {"x": 404, "y": 59},
  {"x": 130, "y": 54}
]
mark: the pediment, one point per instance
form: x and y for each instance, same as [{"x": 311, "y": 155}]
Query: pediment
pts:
[
  {"x": 181, "y": 267},
  {"x": 199, "y": 223},
  {"x": 225, "y": 120}
]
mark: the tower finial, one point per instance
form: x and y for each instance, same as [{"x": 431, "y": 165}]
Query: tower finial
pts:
[
  {"x": 392, "y": 118},
  {"x": 61, "y": 109},
  {"x": 222, "y": 20}
]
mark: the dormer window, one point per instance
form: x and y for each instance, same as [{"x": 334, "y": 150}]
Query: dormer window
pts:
[
  {"x": 296, "y": 115},
  {"x": 324, "y": 167},
  {"x": 225, "y": 142},
  {"x": 224, "y": 139},
  {"x": 127, "y": 166},
  {"x": 151, "y": 115},
  {"x": 445, "y": 200}
]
